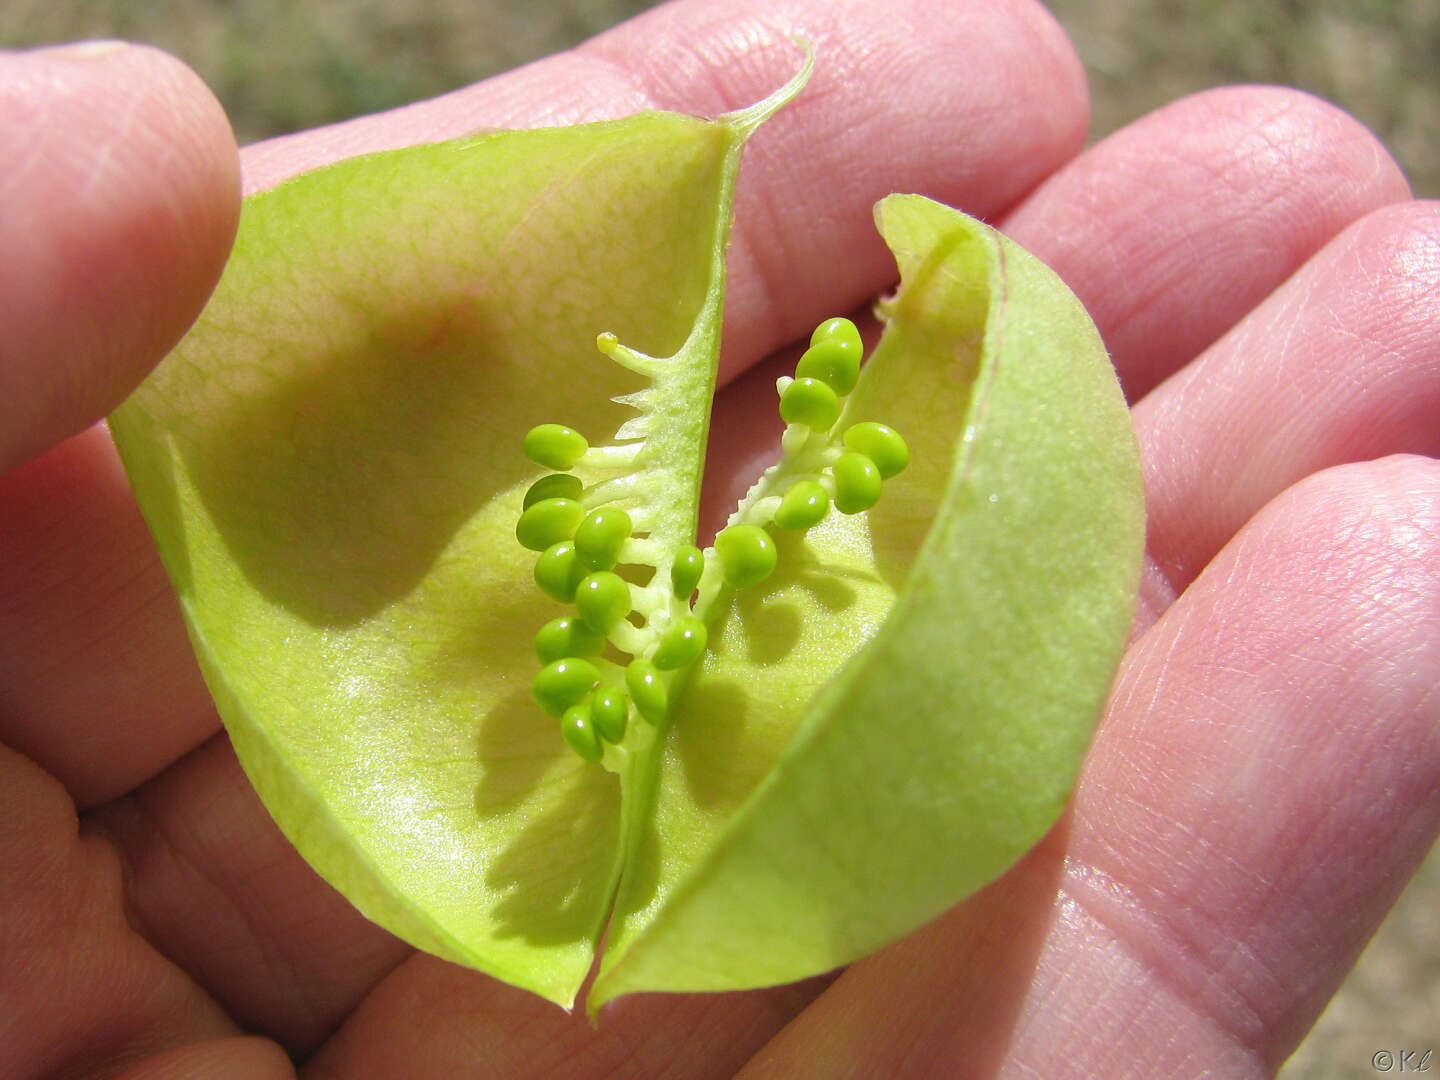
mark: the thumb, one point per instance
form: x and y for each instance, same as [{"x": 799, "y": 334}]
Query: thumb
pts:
[{"x": 119, "y": 198}]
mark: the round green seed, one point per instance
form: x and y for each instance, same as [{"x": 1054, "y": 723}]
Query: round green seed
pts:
[
  {"x": 558, "y": 571},
  {"x": 555, "y": 446},
  {"x": 803, "y": 505},
  {"x": 681, "y": 643},
  {"x": 603, "y": 599},
  {"x": 882, "y": 444},
  {"x": 647, "y": 690},
  {"x": 747, "y": 555},
  {"x": 857, "y": 483},
  {"x": 579, "y": 730},
  {"x": 811, "y": 402},
  {"x": 600, "y": 536},
  {"x": 838, "y": 329},
  {"x": 567, "y": 636},
  {"x": 548, "y": 522},
  {"x": 554, "y": 486},
  {"x": 686, "y": 571},
  {"x": 833, "y": 362},
  {"x": 608, "y": 709},
  {"x": 563, "y": 683}
]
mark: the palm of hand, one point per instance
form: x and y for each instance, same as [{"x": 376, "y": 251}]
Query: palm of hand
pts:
[{"x": 1262, "y": 783}]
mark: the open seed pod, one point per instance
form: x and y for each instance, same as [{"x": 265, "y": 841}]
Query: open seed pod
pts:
[{"x": 884, "y": 710}]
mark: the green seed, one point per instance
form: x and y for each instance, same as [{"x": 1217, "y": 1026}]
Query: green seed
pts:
[
  {"x": 803, "y": 505},
  {"x": 647, "y": 690},
  {"x": 548, "y": 522},
  {"x": 747, "y": 555},
  {"x": 681, "y": 643},
  {"x": 833, "y": 362},
  {"x": 554, "y": 486},
  {"x": 567, "y": 636},
  {"x": 563, "y": 683},
  {"x": 558, "y": 571},
  {"x": 838, "y": 329},
  {"x": 599, "y": 537},
  {"x": 882, "y": 444},
  {"x": 603, "y": 599},
  {"x": 578, "y": 729},
  {"x": 811, "y": 402},
  {"x": 555, "y": 446},
  {"x": 686, "y": 571},
  {"x": 608, "y": 709},
  {"x": 857, "y": 483}
]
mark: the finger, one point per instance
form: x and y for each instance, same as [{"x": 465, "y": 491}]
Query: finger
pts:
[
  {"x": 1173, "y": 228},
  {"x": 1340, "y": 364},
  {"x": 97, "y": 681},
  {"x": 120, "y": 198},
  {"x": 237, "y": 1058},
  {"x": 81, "y": 992},
  {"x": 1266, "y": 778},
  {"x": 120, "y": 203},
  {"x": 856, "y": 135},
  {"x": 434, "y": 1020},
  {"x": 973, "y": 107}
]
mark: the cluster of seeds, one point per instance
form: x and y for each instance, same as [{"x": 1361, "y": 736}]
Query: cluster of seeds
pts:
[{"x": 582, "y": 537}]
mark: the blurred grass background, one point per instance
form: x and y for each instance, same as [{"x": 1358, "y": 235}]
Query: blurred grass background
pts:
[{"x": 281, "y": 66}]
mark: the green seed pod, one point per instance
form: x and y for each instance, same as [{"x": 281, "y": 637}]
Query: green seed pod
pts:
[
  {"x": 599, "y": 537},
  {"x": 857, "y": 483},
  {"x": 833, "y": 362},
  {"x": 608, "y": 709},
  {"x": 567, "y": 636},
  {"x": 882, "y": 444},
  {"x": 603, "y": 599},
  {"x": 555, "y": 446},
  {"x": 810, "y": 402},
  {"x": 554, "y": 486},
  {"x": 564, "y": 683},
  {"x": 548, "y": 522},
  {"x": 747, "y": 555},
  {"x": 685, "y": 573},
  {"x": 579, "y": 730},
  {"x": 647, "y": 690},
  {"x": 680, "y": 644},
  {"x": 558, "y": 571},
  {"x": 838, "y": 329},
  {"x": 803, "y": 505}
]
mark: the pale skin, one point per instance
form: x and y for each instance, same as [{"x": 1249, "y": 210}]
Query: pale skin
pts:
[{"x": 1264, "y": 780}]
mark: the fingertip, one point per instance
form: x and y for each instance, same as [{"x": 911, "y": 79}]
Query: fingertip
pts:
[
  {"x": 1173, "y": 228},
  {"x": 121, "y": 198}
]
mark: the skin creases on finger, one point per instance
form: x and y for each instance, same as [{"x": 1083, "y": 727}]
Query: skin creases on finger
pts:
[
  {"x": 1340, "y": 364},
  {"x": 971, "y": 104},
  {"x": 1266, "y": 778},
  {"x": 1174, "y": 227}
]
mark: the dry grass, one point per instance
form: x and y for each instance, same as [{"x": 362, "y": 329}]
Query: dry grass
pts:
[{"x": 280, "y": 66}]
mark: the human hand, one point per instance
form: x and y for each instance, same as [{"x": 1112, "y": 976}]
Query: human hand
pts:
[{"x": 1262, "y": 784}]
